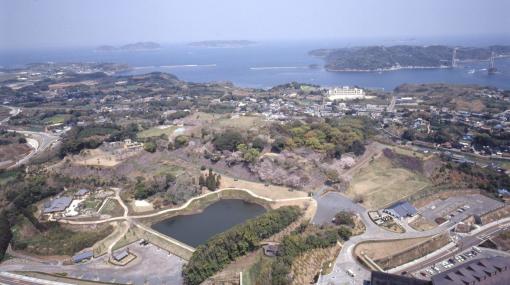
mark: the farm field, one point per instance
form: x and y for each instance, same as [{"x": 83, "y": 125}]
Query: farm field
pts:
[{"x": 381, "y": 182}]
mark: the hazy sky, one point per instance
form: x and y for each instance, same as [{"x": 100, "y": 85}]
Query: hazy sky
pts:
[{"x": 34, "y": 23}]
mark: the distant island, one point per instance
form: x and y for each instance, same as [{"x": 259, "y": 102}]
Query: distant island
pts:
[
  {"x": 222, "y": 43},
  {"x": 139, "y": 46},
  {"x": 382, "y": 58}
]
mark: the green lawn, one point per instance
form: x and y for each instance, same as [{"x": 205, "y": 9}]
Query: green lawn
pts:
[
  {"x": 156, "y": 132},
  {"x": 56, "y": 119}
]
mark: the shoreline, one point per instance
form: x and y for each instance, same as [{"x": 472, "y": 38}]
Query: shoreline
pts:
[{"x": 386, "y": 69}]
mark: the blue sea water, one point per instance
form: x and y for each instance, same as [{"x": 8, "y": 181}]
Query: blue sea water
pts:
[{"x": 268, "y": 64}]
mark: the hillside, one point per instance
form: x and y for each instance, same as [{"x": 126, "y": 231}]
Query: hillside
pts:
[{"x": 374, "y": 58}]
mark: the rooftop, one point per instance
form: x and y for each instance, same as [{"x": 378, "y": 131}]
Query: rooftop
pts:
[
  {"x": 485, "y": 271},
  {"x": 58, "y": 205}
]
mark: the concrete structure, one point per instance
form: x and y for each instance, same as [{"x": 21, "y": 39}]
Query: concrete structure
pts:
[
  {"x": 86, "y": 255},
  {"x": 383, "y": 278},
  {"x": 345, "y": 93},
  {"x": 120, "y": 255},
  {"x": 57, "y": 205},
  {"x": 270, "y": 250}
]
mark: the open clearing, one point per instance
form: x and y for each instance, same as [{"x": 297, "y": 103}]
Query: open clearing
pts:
[
  {"x": 157, "y": 131},
  {"x": 241, "y": 122},
  {"x": 381, "y": 183},
  {"x": 95, "y": 157},
  {"x": 269, "y": 191}
]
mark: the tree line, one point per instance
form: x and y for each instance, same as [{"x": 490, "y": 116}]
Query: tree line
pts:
[{"x": 224, "y": 248}]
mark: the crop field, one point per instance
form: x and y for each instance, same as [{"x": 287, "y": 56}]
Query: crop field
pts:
[
  {"x": 157, "y": 131},
  {"x": 381, "y": 183}
]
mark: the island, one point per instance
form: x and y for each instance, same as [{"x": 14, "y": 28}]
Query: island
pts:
[
  {"x": 386, "y": 58},
  {"x": 139, "y": 46},
  {"x": 222, "y": 43}
]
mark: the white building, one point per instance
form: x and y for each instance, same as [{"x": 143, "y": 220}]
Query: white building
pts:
[{"x": 345, "y": 93}]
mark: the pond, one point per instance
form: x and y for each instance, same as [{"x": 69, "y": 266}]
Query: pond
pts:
[{"x": 196, "y": 229}]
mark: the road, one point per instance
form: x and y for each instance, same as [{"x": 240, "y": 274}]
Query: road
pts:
[
  {"x": 15, "y": 279},
  {"x": 391, "y": 107},
  {"x": 464, "y": 243},
  {"x": 45, "y": 140},
  {"x": 346, "y": 259}
]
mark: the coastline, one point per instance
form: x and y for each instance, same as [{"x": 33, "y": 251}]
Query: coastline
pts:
[{"x": 385, "y": 69}]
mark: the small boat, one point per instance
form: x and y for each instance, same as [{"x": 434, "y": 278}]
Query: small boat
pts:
[{"x": 472, "y": 71}]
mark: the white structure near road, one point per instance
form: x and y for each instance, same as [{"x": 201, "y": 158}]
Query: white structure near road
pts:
[{"x": 345, "y": 93}]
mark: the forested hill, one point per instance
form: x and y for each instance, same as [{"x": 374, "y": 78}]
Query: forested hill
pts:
[{"x": 374, "y": 58}]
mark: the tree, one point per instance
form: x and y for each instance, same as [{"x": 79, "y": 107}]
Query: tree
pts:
[
  {"x": 228, "y": 140},
  {"x": 278, "y": 145},
  {"x": 358, "y": 148},
  {"x": 258, "y": 143},
  {"x": 181, "y": 141},
  {"x": 344, "y": 233},
  {"x": 149, "y": 146},
  {"x": 344, "y": 218}
]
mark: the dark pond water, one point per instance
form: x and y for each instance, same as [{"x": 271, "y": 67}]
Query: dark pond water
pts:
[{"x": 216, "y": 218}]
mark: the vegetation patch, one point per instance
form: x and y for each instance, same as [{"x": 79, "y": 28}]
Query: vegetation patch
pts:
[
  {"x": 224, "y": 248},
  {"x": 55, "y": 239}
]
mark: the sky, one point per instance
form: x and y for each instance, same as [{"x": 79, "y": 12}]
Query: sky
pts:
[{"x": 64, "y": 23}]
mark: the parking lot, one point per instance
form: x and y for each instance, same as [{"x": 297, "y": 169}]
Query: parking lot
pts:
[
  {"x": 449, "y": 263},
  {"x": 456, "y": 209},
  {"x": 153, "y": 265}
]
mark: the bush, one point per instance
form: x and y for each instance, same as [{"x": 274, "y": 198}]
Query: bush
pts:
[
  {"x": 181, "y": 141},
  {"x": 150, "y": 146},
  {"x": 228, "y": 140},
  {"x": 344, "y": 218}
]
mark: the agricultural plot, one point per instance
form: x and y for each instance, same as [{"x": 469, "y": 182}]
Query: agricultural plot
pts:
[{"x": 382, "y": 182}]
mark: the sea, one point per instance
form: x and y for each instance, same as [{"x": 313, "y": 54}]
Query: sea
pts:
[{"x": 269, "y": 63}]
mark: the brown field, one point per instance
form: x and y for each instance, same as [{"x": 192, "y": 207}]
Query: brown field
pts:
[
  {"x": 422, "y": 224},
  {"x": 381, "y": 183},
  {"x": 378, "y": 250},
  {"x": 11, "y": 153},
  {"x": 95, "y": 157},
  {"x": 270, "y": 191}
]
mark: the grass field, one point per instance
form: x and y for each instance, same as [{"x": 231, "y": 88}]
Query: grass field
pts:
[
  {"x": 157, "y": 131},
  {"x": 56, "y": 119},
  {"x": 112, "y": 208},
  {"x": 381, "y": 183},
  {"x": 241, "y": 122}
]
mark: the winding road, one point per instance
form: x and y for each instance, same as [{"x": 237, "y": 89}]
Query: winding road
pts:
[{"x": 44, "y": 140}]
